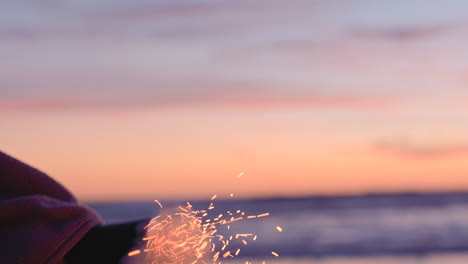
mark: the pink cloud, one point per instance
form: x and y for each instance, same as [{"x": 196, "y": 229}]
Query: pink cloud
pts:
[
  {"x": 408, "y": 150},
  {"x": 171, "y": 10},
  {"x": 307, "y": 101},
  {"x": 169, "y": 19},
  {"x": 165, "y": 10},
  {"x": 240, "y": 101},
  {"x": 408, "y": 33},
  {"x": 41, "y": 104}
]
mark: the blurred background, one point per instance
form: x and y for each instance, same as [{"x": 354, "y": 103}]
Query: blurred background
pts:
[{"x": 348, "y": 118}]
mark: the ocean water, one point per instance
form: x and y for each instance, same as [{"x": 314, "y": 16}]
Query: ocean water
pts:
[{"x": 402, "y": 228}]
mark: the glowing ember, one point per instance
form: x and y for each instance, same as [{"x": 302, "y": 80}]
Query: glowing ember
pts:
[
  {"x": 262, "y": 215},
  {"x": 135, "y": 252},
  {"x": 160, "y": 205},
  {"x": 279, "y": 229}
]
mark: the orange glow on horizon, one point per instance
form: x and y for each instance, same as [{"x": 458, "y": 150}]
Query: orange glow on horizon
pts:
[{"x": 150, "y": 163}]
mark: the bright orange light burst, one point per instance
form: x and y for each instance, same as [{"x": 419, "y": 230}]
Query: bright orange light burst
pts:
[
  {"x": 178, "y": 236},
  {"x": 187, "y": 236}
]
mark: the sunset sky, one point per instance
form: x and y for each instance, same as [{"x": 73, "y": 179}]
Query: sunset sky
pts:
[{"x": 144, "y": 99}]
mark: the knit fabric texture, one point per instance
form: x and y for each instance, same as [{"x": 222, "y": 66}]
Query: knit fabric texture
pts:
[{"x": 40, "y": 221}]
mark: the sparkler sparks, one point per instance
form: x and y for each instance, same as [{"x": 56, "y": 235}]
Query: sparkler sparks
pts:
[
  {"x": 135, "y": 252},
  {"x": 178, "y": 236},
  {"x": 187, "y": 236},
  {"x": 160, "y": 205}
]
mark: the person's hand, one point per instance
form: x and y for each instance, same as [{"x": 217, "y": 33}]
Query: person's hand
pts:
[{"x": 107, "y": 244}]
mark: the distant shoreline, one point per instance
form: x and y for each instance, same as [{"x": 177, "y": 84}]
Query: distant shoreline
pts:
[{"x": 404, "y": 194}]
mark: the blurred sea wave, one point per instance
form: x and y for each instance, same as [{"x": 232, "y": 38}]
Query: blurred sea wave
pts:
[{"x": 387, "y": 228}]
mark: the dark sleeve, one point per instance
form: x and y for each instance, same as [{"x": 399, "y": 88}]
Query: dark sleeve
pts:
[
  {"x": 106, "y": 244},
  {"x": 40, "y": 220}
]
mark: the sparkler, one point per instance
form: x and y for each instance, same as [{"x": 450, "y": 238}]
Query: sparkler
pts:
[{"x": 186, "y": 236}]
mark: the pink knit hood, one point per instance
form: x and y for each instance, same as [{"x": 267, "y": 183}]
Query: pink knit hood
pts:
[{"x": 40, "y": 221}]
